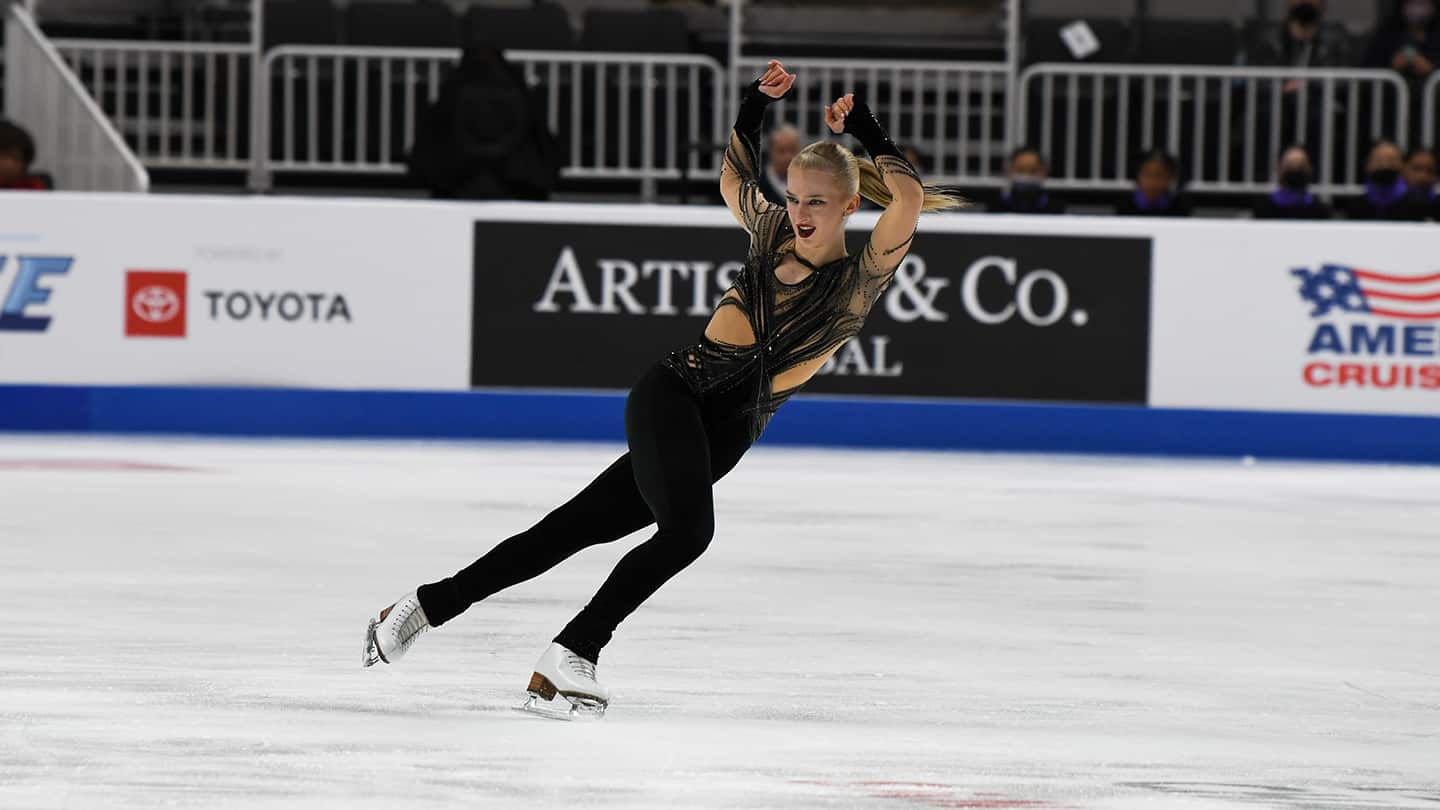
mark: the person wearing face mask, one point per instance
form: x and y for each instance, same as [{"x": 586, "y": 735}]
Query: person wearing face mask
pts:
[
  {"x": 1026, "y": 193},
  {"x": 1292, "y": 200},
  {"x": 1408, "y": 42},
  {"x": 1419, "y": 174},
  {"x": 1156, "y": 193},
  {"x": 1303, "y": 39},
  {"x": 1386, "y": 196}
]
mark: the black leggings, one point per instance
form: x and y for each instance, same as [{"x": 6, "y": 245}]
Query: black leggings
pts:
[{"x": 679, "y": 446}]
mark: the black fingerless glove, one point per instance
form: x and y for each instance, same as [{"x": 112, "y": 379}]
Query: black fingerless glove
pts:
[
  {"x": 862, "y": 124},
  {"x": 752, "y": 111}
]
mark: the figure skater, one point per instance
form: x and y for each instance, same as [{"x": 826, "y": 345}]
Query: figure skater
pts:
[{"x": 693, "y": 414}]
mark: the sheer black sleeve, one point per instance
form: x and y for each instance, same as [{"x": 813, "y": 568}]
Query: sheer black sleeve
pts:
[
  {"x": 891, "y": 238},
  {"x": 742, "y": 160}
]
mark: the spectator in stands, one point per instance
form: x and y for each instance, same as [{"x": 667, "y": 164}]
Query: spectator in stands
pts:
[
  {"x": 1026, "y": 193},
  {"x": 1386, "y": 195},
  {"x": 1293, "y": 200},
  {"x": 1156, "y": 194},
  {"x": 1408, "y": 42},
  {"x": 485, "y": 136},
  {"x": 784, "y": 145},
  {"x": 1419, "y": 173},
  {"x": 1304, "y": 39},
  {"x": 17, "y": 152}
]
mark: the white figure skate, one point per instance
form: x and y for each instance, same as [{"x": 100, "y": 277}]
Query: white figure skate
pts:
[
  {"x": 391, "y": 634},
  {"x": 563, "y": 674}
]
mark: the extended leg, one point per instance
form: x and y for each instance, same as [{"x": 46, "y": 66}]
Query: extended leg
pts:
[{"x": 609, "y": 508}]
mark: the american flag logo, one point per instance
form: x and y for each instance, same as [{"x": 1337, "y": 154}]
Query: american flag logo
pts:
[{"x": 1347, "y": 289}]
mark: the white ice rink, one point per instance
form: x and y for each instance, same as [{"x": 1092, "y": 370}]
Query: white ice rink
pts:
[{"x": 182, "y": 627}]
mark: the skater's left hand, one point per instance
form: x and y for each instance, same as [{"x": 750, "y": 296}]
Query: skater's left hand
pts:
[{"x": 835, "y": 113}]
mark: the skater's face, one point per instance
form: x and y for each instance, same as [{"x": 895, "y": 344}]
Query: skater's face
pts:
[{"x": 818, "y": 205}]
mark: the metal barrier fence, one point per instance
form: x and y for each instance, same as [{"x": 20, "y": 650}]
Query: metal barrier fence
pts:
[
  {"x": 952, "y": 113},
  {"x": 647, "y": 118},
  {"x": 340, "y": 109},
  {"x": 180, "y": 105},
  {"x": 1429, "y": 97},
  {"x": 77, "y": 143},
  {"x": 1227, "y": 126}
]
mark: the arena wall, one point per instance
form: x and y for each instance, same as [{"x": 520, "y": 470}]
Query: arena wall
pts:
[{"x": 309, "y": 317}]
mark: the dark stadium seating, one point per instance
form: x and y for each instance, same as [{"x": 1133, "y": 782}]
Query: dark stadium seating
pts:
[
  {"x": 420, "y": 24},
  {"x": 305, "y": 22},
  {"x": 542, "y": 28},
  {"x": 658, "y": 31},
  {"x": 1042, "y": 41},
  {"x": 1188, "y": 42}
]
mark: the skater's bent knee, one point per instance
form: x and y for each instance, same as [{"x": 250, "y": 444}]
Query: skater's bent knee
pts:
[{"x": 690, "y": 538}]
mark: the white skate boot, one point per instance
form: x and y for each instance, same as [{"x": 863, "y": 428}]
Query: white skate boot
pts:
[
  {"x": 561, "y": 672},
  {"x": 391, "y": 634}
]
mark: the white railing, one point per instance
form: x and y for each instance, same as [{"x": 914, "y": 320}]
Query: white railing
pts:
[
  {"x": 180, "y": 105},
  {"x": 343, "y": 109},
  {"x": 76, "y": 142},
  {"x": 953, "y": 113},
  {"x": 1227, "y": 125},
  {"x": 1429, "y": 97}
]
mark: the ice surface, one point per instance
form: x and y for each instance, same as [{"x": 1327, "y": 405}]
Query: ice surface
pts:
[{"x": 182, "y": 627}]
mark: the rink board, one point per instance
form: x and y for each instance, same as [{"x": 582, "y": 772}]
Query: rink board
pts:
[
  {"x": 296, "y": 317},
  {"x": 806, "y": 420}
]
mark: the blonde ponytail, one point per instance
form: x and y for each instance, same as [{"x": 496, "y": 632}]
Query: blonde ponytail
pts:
[
  {"x": 863, "y": 177},
  {"x": 873, "y": 188}
]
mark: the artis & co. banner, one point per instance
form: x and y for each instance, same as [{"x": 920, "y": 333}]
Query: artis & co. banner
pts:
[{"x": 1033, "y": 317}]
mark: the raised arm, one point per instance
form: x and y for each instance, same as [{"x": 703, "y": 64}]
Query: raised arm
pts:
[
  {"x": 892, "y": 234},
  {"x": 740, "y": 174}
]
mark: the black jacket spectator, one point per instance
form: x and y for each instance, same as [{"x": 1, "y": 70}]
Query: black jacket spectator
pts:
[
  {"x": 485, "y": 136},
  {"x": 1276, "y": 45},
  {"x": 1391, "y": 204},
  {"x": 1405, "y": 44}
]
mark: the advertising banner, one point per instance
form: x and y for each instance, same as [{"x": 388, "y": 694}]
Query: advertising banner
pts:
[
  {"x": 132, "y": 289},
  {"x": 973, "y": 315},
  {"x": 1330, "y": 317}
]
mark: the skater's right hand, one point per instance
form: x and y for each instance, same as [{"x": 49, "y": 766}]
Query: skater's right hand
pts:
[{"x": 775, "y": 82}]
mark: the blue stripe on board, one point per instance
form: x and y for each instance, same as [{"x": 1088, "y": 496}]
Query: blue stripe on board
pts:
[{"x": 824, "y": 421}]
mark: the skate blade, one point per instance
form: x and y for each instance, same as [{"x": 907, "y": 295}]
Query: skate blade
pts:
[
  {"x": 563, "y": 707},
  {"x": 371, "y": 655}
]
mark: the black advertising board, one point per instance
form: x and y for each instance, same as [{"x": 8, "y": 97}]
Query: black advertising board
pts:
[{"x": 992, "y": 316}]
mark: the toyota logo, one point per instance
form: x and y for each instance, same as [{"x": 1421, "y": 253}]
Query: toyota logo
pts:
[{"x": 155, "y": 304}]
